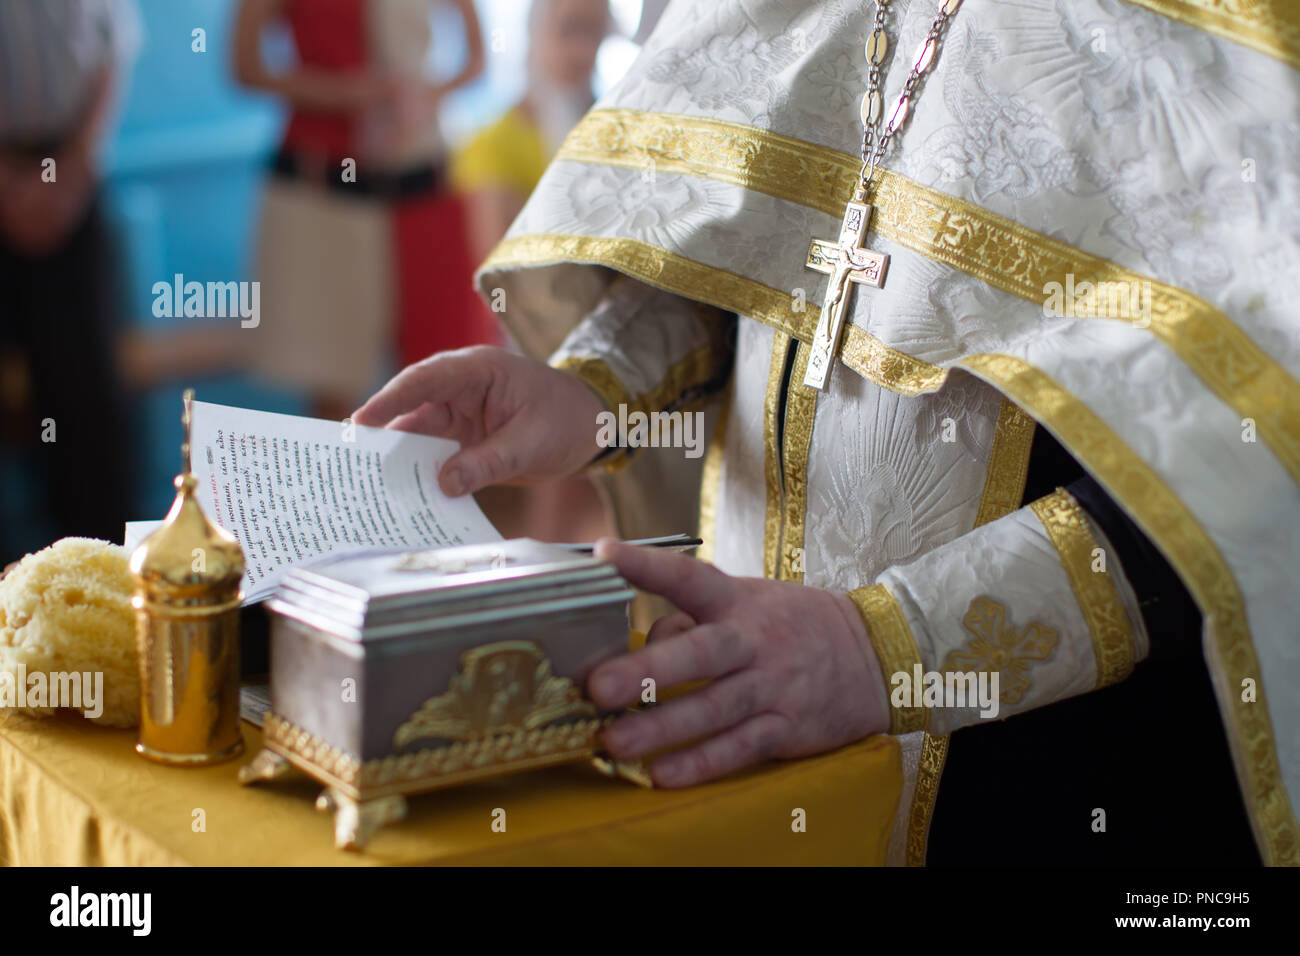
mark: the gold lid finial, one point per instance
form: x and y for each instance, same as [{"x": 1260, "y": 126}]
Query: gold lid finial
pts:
[
  {"x": 188, "y": 561},
  {"x": 187, "y": 416}
]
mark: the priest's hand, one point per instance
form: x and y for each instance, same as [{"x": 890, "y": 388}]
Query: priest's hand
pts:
[
  {"x": 792, "y": 668},
  {"x": 517, "y": 419}
]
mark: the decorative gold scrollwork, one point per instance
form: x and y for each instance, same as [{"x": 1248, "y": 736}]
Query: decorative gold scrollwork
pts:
[{"x": 501, "y": 688}]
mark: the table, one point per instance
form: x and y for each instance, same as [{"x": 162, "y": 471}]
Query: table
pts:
[{"x": 72, "y": 793}]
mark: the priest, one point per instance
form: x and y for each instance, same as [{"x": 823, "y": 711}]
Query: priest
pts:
[{"x": 852, "y": 227}]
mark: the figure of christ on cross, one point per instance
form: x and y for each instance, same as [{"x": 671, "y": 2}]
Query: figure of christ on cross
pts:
[{"x": 844, "y": 261}]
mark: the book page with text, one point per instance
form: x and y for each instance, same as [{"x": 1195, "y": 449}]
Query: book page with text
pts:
[{"x": 291, "y": 489}]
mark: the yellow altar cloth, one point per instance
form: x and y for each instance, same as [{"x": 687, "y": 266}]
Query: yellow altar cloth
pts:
[{"x": 75, "y": 794}]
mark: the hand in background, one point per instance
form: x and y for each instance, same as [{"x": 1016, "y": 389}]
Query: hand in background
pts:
[
  {"x": 517, "y": 419},
  {"x": 346, "y": 91}
]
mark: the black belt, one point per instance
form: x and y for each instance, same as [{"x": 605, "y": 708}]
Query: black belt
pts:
[
  {"x": 380, "y": 184},
  {"x": 35, "y": 149}
]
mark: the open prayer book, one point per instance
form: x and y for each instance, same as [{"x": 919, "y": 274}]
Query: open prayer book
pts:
[{"x": 292, "y": 489}]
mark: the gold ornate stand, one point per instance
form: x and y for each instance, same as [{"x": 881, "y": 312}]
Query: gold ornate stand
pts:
[
  {"x": 355, "y": 822},
  {"x": 504, "y": 712}
]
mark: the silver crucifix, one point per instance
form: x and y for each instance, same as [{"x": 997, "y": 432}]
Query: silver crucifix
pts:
[{"x": 846, "y": 261}]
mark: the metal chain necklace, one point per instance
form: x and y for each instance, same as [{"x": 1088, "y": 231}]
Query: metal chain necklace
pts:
[{"x": 846, "y": 260}]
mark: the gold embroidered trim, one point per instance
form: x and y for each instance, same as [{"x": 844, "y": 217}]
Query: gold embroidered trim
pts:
[
  {"x": 1004, "y": 484},
  {"x": 929, "y": 771},
  {"x": 942, "y": 228},
  {"x": 597, "y": 376},
  {"x": 885, "y": 366},
  {"x": 695, "y": 368},
  {"x": 711, "y": 478},
  {"x": 772, "y": 458},
  {"x": 786, "y": 466},
  {"x": 1200, "y": 565},
  {"x": 600, "y": 378},
  {"x": 895, "y": 648},
  {"x": 1108, "y": 623},
  {"x": 1270, "y": 26},
  {"x": 665, "y": 270},
  {"x": 996, "y": 645},
  {"x": 800, "y": 411}
]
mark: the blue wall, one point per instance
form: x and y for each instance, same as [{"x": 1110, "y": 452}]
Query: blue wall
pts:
[{"x": 183, "y": 175}]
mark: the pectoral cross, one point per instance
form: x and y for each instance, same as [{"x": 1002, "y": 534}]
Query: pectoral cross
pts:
[{"x": 845, "y": 261}]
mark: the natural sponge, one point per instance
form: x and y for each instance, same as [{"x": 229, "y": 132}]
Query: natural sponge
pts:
[{"x": 64, "y": 610}]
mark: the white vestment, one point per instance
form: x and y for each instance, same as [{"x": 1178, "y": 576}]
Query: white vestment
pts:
[{"x": 1136, "y": 156}]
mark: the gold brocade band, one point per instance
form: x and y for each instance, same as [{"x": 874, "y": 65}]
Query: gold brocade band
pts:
[
  {"x": 711, "y": 479},
  {"x": 1004, "y": 485},
  {"x": 772, "y": 457},
  {"x": 666, "y": 270},
  {"x": 694, "y": 369},
  {"x": 1000, "y": 251},
  {"x": 1200, "y": 565},
  {"x": 597, "y": 376},
  {"x": 895, "y": 649},
  {"x": 1108, "y": 623},
  {"x": 929, "y": 771},
  {"x": 800, "y": 410},
  {"x": 1270, "y": 26}
]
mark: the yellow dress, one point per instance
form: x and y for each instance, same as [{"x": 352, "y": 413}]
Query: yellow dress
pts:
[{"x": 511, "y": 153}]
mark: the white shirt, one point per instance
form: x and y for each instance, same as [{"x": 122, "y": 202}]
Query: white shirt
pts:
[{"x": 50, "y": 53}]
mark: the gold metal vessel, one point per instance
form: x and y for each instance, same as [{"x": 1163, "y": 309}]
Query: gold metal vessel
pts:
[{"x": 187, "y": 597}]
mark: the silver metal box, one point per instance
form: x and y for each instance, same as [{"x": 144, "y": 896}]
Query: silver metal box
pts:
[{"x": 398, "y": 673}]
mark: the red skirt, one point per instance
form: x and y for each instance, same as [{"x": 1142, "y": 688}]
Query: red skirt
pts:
[{"x": 437, "y": 307}]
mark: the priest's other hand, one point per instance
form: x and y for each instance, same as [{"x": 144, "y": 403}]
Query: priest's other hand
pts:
[
  {"x": 517, "y": 419},
  {"x": 792, "y": 668}
]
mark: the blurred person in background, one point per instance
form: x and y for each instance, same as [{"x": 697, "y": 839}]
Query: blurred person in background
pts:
[
  {"x": 61, "y": 62},
  {"x": 362, "y": 244},
  {"x": 500, "y": 165},
  {"x": 496, "y": 171}
]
